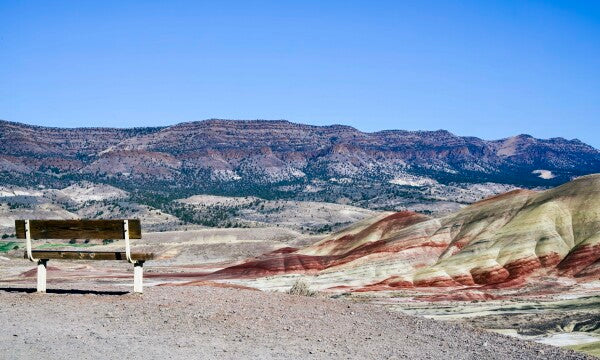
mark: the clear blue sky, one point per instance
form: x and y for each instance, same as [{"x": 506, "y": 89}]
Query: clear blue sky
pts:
[{"x": 485, "y": 68}]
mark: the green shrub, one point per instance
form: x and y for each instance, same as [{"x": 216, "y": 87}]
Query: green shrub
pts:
[{"x": 7, "y": 246}]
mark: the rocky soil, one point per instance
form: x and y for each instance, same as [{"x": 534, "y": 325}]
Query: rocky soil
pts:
[{"x": 210, "y": 322}]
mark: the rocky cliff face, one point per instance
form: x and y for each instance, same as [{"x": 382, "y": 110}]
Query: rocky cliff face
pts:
[
  {"x": 508, "y": 241},
  {"x": 283, "y": 159}
]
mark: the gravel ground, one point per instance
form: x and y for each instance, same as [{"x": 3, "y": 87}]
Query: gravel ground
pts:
[{"x": 220, "y": 323}]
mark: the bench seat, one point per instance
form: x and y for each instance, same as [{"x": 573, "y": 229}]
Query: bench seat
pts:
[
  {"x": 88, "y": 255},
  {"x": 74, "y": 229}
]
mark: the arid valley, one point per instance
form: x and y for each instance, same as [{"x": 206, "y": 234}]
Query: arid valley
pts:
[{"x": 516, "y": 275}]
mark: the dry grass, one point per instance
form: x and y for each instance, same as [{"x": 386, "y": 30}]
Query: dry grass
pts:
[{"x": 301, "y": 287}]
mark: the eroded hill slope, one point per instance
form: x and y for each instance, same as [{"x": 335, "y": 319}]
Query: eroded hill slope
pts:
[{"x": 506, "y": 241}]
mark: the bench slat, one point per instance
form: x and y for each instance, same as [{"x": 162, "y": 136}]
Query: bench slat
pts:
[
  {"x": 78, "y": 229},
  {"x": 88, "y": 255}
]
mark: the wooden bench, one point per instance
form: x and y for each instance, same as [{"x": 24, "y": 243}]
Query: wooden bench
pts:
[{"x": 82, "y": 229}]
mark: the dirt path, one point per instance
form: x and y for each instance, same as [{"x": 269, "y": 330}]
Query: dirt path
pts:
[{"x": 207, "y": 322}]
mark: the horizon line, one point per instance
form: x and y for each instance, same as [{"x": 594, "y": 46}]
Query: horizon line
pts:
[{"x": 294, "y": 123}]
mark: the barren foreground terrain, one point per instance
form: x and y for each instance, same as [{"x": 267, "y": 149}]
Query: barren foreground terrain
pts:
[{"x": 211, "y": 322}]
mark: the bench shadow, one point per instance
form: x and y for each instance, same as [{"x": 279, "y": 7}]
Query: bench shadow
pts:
[{"x": 65, "y": 291}]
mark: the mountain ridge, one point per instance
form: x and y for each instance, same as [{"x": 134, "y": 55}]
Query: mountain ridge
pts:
[
  {"x": 282, "y": 159},
  {"x": 4, "y": 122}
]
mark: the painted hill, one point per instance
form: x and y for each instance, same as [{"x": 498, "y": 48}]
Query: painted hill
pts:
[{"x": 508, "y": 241}]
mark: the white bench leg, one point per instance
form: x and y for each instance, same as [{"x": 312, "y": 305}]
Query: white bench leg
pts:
[
  {"x": 41, "y": 275},
  {"x": 138, "y": 276}
]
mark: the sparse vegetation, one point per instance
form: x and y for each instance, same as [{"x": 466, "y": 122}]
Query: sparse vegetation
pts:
[
  {"x": 590, "y": 348},
  {"x": 301, "y": 287},
  {"x": 7, "y": 246}
]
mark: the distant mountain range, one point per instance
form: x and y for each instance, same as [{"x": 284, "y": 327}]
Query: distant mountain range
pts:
[{"x": 280, "y": 159}]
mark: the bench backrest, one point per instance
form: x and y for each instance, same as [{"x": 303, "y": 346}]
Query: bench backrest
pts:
[{"x": 78, "y": 229}]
